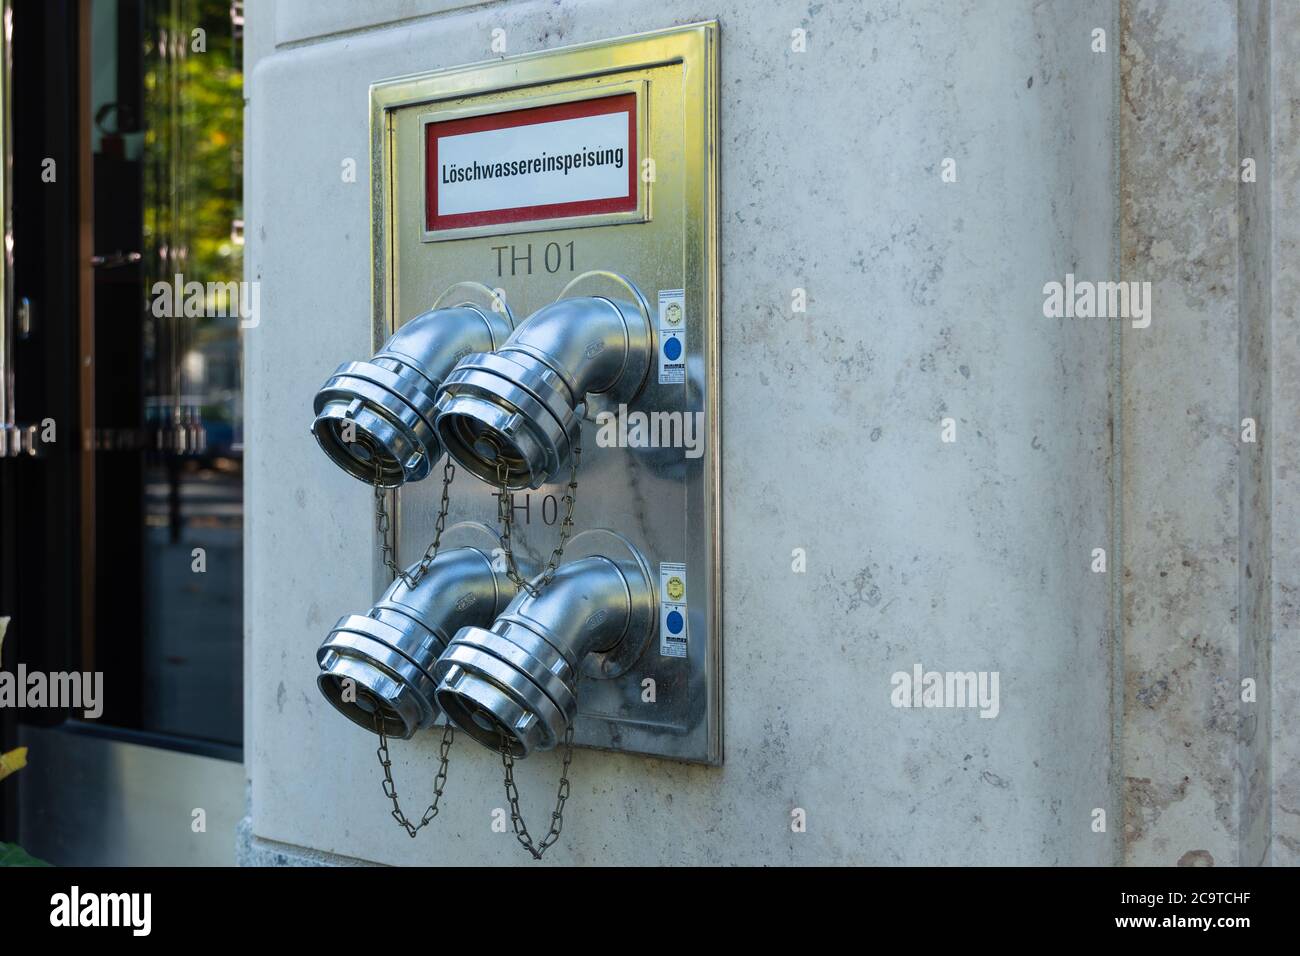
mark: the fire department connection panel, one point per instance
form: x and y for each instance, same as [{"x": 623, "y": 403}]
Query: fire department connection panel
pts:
[{"x": 582, "y": 182}]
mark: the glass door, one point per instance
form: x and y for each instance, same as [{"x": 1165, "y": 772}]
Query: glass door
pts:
[{"x": 127, "y": 274}]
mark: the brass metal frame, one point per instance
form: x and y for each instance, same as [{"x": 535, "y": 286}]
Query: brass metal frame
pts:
[{"x": 668, "y": 504}]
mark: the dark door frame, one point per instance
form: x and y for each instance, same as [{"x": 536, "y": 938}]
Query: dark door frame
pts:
[{"x": 41, "y": 498}]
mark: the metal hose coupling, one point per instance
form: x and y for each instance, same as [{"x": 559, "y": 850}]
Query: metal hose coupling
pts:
[
  {"x": 375, "y": 419},
  {"x": 521, "y": 404},
  {"x": 383, "y": 661},
  {"x": 513, "y": 686}
]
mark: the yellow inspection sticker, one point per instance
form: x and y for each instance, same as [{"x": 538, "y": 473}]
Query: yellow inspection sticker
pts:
[{"x": 672, "y": 609}]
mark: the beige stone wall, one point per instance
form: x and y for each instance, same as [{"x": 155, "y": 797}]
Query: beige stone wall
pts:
[{"x": 1208, "y": 524}]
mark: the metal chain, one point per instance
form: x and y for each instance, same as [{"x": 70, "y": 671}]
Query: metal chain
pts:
[
  {"x": 387, "y": 550},
  {"x": 505, "y": 518},
  {"x": 439, "y": 779},
  {"x": 512, "y": 796},
  {"x": 383, "y": 525}
]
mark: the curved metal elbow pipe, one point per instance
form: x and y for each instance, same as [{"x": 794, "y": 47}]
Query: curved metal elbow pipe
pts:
[
  {"x": 383, "y": 661},
  {"x": 514, "y": 686},
  {"x": 519, "y": 405},
  {"x": 377, "y": 417},
  {"x": 593, "y": 343}
]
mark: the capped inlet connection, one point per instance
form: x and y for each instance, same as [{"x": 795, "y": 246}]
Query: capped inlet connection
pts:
[
  {"x": 376, "y": 419},
  {"x": 513, "y": 685},
  {"x": 522, "y": 405},
  {"x": 382, "y": 662}
]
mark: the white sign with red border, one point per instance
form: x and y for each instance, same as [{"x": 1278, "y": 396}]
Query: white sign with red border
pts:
[{"x": 558, "y": 161}]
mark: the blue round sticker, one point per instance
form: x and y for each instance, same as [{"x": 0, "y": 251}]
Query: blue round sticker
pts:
[
  {"x": 673, "y": 349},
  {"x": 674, "y": 622}
]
